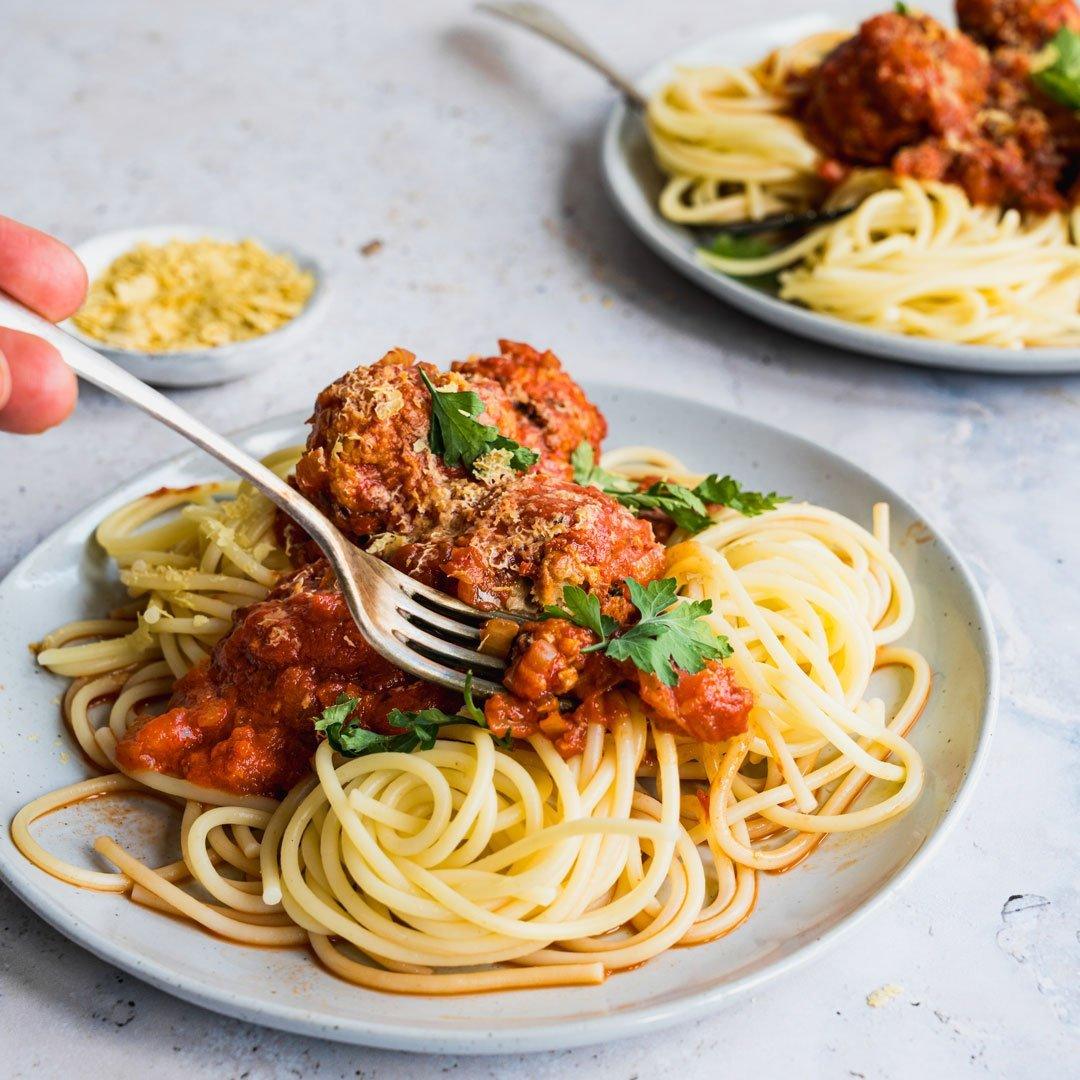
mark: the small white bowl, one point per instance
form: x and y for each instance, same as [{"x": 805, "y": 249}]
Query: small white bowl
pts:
[{"x": 200, "y": 367}]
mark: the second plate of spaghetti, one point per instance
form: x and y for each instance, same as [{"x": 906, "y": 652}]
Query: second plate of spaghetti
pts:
[
  {"x": 742, "y": 712},
  {"x": 940, "y": 263}
]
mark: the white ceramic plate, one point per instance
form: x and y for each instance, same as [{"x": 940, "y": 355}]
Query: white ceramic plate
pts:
[
  {"x": 202, "y": 367},
  {"x": 797, "y": 914},
  {"x": 634, "y": 182}
]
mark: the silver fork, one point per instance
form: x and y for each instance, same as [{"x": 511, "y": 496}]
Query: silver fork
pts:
[
  {"x": 543, "y": 21},
  {"x": 417, "y": 628}
]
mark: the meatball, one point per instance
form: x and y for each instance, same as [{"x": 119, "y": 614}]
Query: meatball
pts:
[
  {"x": 244, "y": 721},
  {"x": 367, "y": 465},
  {"x": 555, "y": 415},
  {"x": 1011, "y": 161},
  {"x": 898, "y": 80},
  {"x": 1024, "y": 24},
  {"x": 537, "y": 534}
]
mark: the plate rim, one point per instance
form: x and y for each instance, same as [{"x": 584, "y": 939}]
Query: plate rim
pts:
[
  {"x": 631, "y": 1021},
  {"x": 623, "y": 190}
]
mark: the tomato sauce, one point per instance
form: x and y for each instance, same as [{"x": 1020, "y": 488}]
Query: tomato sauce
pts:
[
  {"x": 548, "y": 662},
  {"x": 244, "y": 722}
]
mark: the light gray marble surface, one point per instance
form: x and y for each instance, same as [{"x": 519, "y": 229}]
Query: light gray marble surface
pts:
[{"x": 470, "y": 152}]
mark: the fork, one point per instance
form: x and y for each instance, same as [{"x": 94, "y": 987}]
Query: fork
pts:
[
  {"x": 417, "y": 628},
  {"x": 543, "y": 21}
]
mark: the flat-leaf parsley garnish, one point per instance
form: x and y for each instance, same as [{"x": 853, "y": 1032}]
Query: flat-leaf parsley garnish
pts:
[
  {"x": 733, "y": 246},
  {"x": 419, "y": 730},
  {"x": 666, "y": 637},
  {"x": 459, "y": 438},
  {"x": 1056, "y": 70},
  {"x": 727, "y": 491},
  {"x": 583, "y": 609},
  {"x": 687, "y": 507},
  {"x": 589, "y": 474}
]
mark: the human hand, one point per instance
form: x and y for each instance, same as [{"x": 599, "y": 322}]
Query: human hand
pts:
[{"x": 37, "y": 389}]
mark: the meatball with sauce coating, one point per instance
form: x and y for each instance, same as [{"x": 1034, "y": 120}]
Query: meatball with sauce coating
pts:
[
  {"x": 537, "y": 534},
  {"x": 1022, "y": 24},
  {"x": 554, "y": 413},
  {"x": 900, "y": 79},
  {"x": 548, "y": 659},
  {"x": 1012, "y": 161},
  {"x": 368, "y": 466}
]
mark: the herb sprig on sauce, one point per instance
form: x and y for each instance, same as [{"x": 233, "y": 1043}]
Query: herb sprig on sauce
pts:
[
  {"x": 687, "y": 507},
  {"x": 1056, "y": 71},
  {"x": 668, "y": 636},
  {"x": 458, "y": 437},
  {"x": 417, "y": 730}
]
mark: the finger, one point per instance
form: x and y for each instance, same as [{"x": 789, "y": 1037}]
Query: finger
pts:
[
  {"x": 40, "y": 271},
  {"x": 5, "y": 383},
  {"x": 41, "y": 387}
]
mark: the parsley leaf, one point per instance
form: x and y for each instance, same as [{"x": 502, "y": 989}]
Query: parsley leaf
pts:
[
  {"x": 668, "y": 636},
  {"x": 657, "y": 596},
  {"x": 333, "y": 716},
  {"x": 583, "y": 609},
  {"x": 733, "y": 246},
  {"x": 470, "y": 709},
  {"x": 664, "y": 638},
  {"x": 901, "y": 8},
  {"x": 459, "y": 438},
  {"x": 587, "y": 474},
  {"x": 1056, "y": 71},
  {"x": 419, "y": 730},
  {"x": 679, "y": 503},
  {"x": 685, "y": 506},
  {"x": 728, "y": 492}
]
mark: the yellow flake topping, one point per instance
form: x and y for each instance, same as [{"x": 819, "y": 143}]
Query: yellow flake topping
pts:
[{"x": 193, "y": 295}]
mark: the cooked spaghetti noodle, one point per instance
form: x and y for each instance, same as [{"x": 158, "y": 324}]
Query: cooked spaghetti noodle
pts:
[
  {"x": 470, "y": 866},
  {"x": 728, "y": 144},
  {"x": 917, "y": 257}
]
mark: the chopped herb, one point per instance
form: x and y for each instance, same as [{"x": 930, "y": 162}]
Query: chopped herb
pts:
[
  {"x": 459, "y": 438},
  {"x": 583, "y": 609},
  {"x": 668, "y": 635},
  {"x": 901, "y": 8},
  {"x": 588, "y": 474},
  {"x": 418, "y": 730},
  {"x": 732, "y": 246},
  {"x": 1056, "y": 71},
  {"x": 687, "y": 507},
  {"x": 470, "y": 709},
  {"x": 679, "y": 503},
  {"x": 334, "y": 716},
  {"x": 725, "y": 491}
]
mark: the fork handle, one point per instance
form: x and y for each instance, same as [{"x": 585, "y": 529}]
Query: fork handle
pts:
[
  {"x": 543, "y": 21},
  {"x": 95, "y": 368}
]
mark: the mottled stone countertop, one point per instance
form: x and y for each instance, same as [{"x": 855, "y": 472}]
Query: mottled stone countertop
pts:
[{"x": 470, "y": 153}]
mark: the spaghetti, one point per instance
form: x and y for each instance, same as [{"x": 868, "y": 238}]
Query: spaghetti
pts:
[
  {"x": 473, "y": 866},
  {"x": 917, "y": 256}
]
